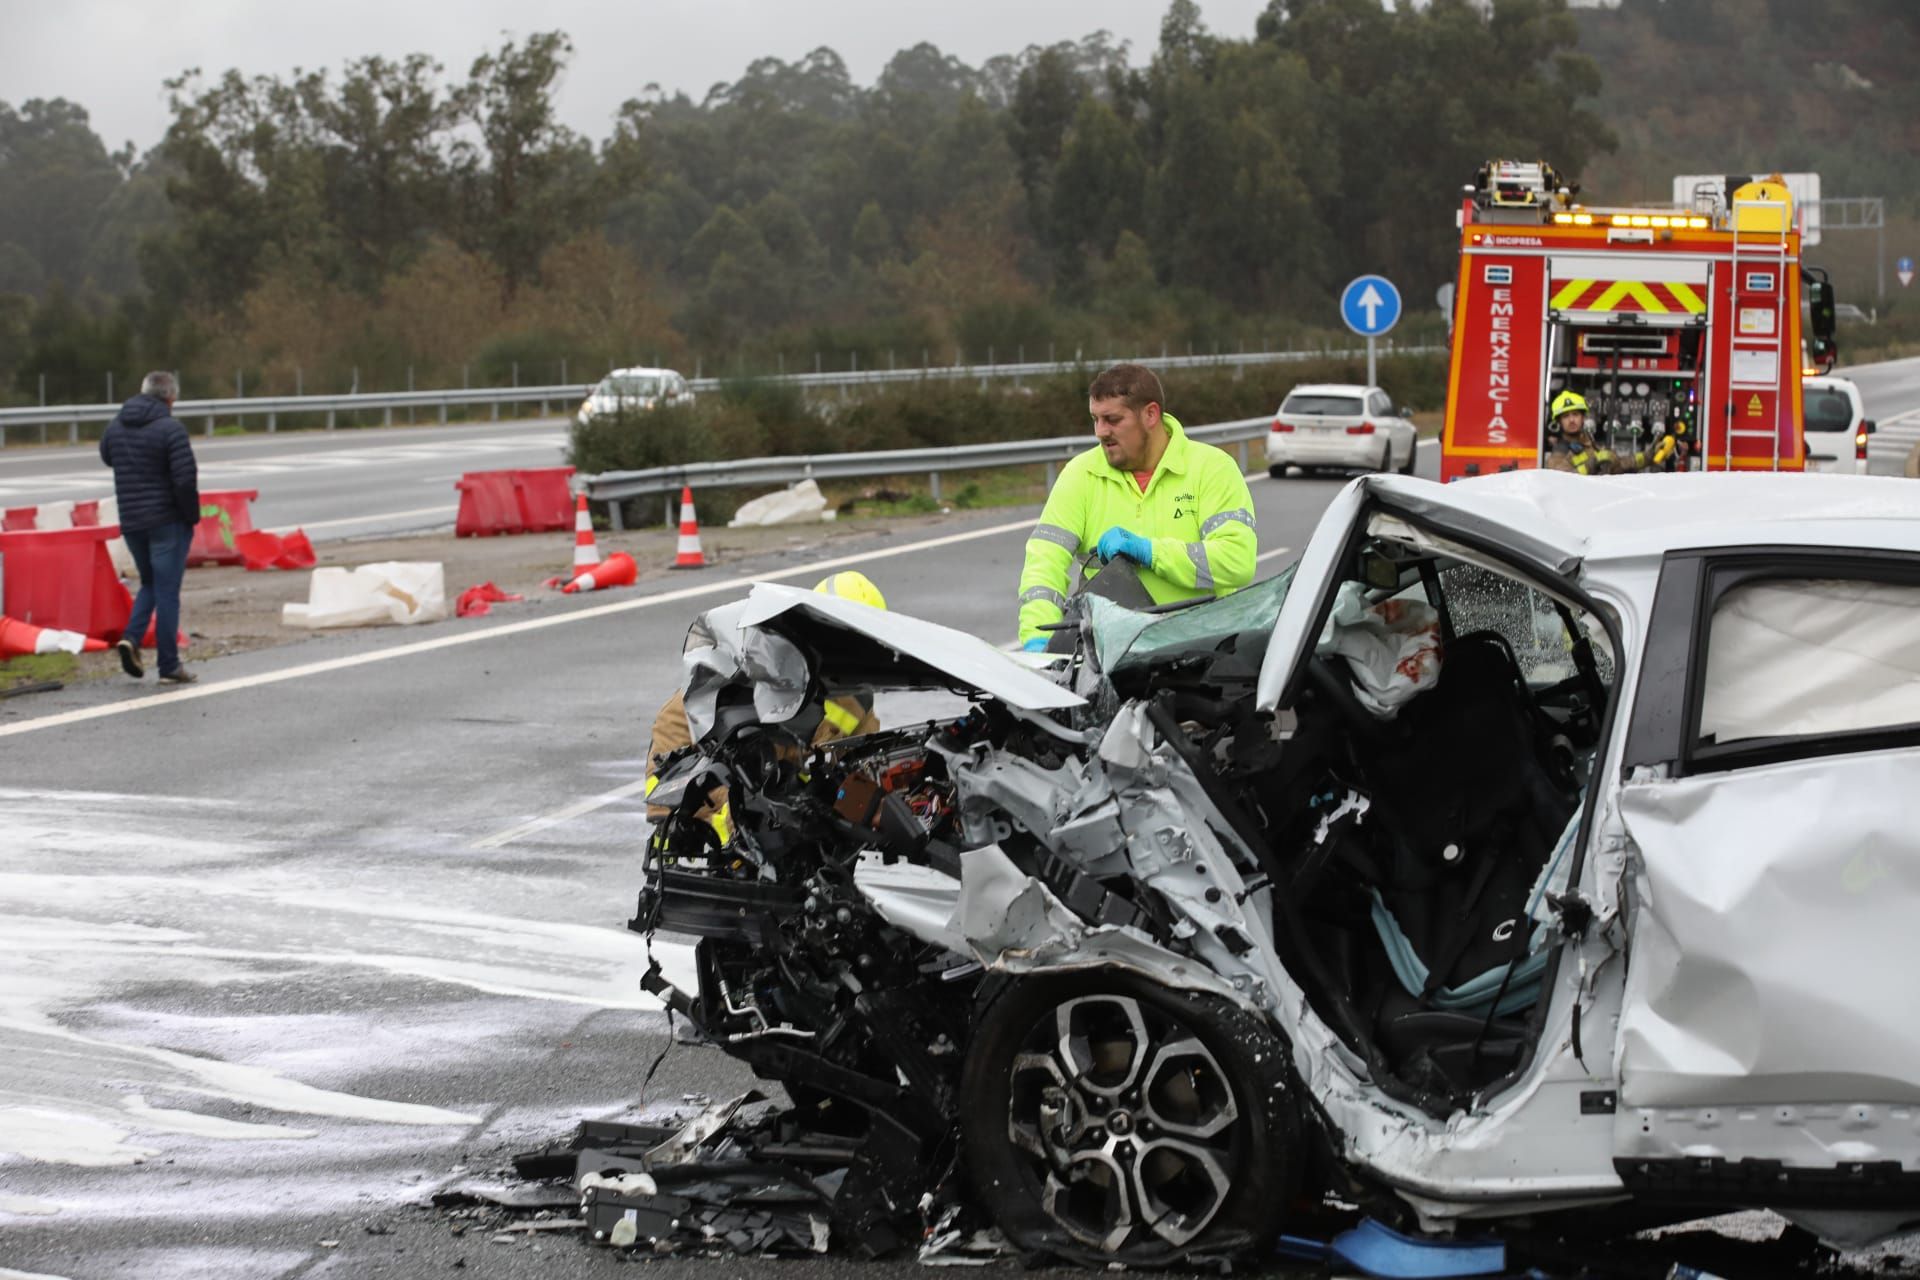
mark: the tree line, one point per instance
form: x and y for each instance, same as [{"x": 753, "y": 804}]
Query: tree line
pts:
[{"x": 389, "y": 219}]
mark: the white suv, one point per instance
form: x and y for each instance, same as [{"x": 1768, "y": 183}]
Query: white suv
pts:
[
  {"x": 1837, "y": 426},
  {"x": 1339, "y": 425},
  {"x": 1531, "y": 847}
]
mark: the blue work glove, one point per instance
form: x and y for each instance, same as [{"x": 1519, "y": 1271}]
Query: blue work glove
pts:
[
  {"x": 1035, "y": 645},
  {"x": 1124, "y": 542}
]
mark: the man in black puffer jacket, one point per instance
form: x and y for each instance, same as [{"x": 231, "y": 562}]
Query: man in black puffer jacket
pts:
[{"x": 157, "y": 485}]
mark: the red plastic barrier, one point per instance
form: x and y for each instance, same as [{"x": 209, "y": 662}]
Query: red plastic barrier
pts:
[
  {"x": 64, "y": 578},
  {"x": 86, "y": 515},
  {"x": 19, "y": 519},
  {"x": 489, "y": 504},
  {"x": 153, "y": 629},
  {"x": 546, "y": 499},
  {"x": 213, "y": 537}
]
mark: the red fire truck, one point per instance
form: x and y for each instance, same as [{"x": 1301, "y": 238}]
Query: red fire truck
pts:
[{"x": 1680, "y": 326}]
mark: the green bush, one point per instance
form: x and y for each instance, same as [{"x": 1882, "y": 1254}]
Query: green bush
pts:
[{"x": 751, "y": 418}]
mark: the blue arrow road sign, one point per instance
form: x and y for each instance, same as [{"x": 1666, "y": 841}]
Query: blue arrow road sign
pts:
[
  {"x": 1904, "y": 269},
  {"x": 1370, "y": 306}
]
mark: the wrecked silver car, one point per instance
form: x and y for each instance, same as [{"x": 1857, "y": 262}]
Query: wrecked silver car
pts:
[{"x": 1534, "y": 849}]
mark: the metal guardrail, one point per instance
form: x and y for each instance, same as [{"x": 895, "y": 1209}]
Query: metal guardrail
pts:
[
  {"x": 74, "y": 416},
  {"x": 614, "y": 486}
]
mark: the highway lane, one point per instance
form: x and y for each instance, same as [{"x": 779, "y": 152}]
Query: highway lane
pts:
[
  {"x": 275, "y": 938},
  {"x": 1891, "y": 390},
  {"x": 344, "y": 483}
]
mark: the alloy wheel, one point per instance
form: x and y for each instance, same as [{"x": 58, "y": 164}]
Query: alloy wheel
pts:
[{"x": 1128, "y": 1121}]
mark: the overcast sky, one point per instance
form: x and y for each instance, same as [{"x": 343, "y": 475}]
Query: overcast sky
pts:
[{"x": 112, "y": 55}]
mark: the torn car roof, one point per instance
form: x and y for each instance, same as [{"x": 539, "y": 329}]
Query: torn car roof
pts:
[{"x": 1588, "y": 521}]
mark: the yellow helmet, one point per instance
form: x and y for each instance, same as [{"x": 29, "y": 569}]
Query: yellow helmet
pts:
[
  {"x": 1568, "y": 402},
  {"x": 852, "y": 586}
]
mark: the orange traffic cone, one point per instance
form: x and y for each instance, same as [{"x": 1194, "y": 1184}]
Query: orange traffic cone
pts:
[
  {"x": 617, "y": 570},
  {"x": 20, "y": 638},
  {"x": 690, "y": 555},
  {"x": 586, "y": 552}
]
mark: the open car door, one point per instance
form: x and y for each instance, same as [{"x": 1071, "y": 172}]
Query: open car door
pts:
[{"x": 1486, "y": 512}]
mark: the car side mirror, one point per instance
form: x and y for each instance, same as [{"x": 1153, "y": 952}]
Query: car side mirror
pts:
[
  {"x": 1404, "y": 412},
  {"x": 1869, "y": 426},
  {"x": 1820, "y": 304}
]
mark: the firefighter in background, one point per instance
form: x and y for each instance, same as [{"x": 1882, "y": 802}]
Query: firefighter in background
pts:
[
  {"x": 845, "y": 716},
  {"x": 1570, "y": 447}
]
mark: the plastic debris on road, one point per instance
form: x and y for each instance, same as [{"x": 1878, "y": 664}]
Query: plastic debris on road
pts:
[
  {"x": 260, "y": 550},
  {"x": 400, "y": 593},
  {"x": 802, "y": 503},
  {"x": 478, "y": 602},
  {"x": 1377, "y": 1250}
]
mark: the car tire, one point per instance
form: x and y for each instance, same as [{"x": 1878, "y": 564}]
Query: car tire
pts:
[
  {"x": 1385, "y": 465},
  {"x": 1413, "y": 456},
  {"x": 1278, "y": 471},
  {"x": 1211, "y": 1155}
]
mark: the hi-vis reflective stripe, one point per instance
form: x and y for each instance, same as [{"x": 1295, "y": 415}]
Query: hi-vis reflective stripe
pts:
[
  {"x": 1656, "y": 297},
  {"x": 841, "y": 718}
]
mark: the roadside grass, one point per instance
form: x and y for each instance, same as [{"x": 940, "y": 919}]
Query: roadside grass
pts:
[
  {"x": 36, "y": 668},
  {"x": 959, "y": 491}
]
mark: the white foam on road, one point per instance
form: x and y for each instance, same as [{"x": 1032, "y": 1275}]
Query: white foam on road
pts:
[
  {"x": 27, "y": 1206},
  {"x": 108, "y": 894}
]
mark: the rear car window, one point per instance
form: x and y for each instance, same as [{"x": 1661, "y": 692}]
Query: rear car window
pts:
[
  {"x": 1828, "y": 410},
  {"x": 1326, "y": 406},
  {"x": 1799, "y": 657}
]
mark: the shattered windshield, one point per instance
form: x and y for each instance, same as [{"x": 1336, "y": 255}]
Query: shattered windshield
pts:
[
  {"x": 1479, "y": 599},
  {"x": 1126, "y": 638}
]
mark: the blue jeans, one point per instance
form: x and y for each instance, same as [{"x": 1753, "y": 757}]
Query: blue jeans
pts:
[{"x": 161, "y": 554}]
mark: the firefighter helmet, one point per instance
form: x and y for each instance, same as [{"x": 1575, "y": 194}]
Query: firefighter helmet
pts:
[
  {"x": 1568, "y": 402},
  {"x": 852, "y": 586}
]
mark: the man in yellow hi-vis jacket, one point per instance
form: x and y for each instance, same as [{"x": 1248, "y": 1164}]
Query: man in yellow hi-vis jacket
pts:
[{"x": 1178, "y": 509}]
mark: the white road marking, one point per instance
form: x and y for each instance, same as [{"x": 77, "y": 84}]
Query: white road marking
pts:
[
  {"x": 192, "y": 693},
  {"x": 578, "y": 809},
  {"x": 1268, "y": 555}
]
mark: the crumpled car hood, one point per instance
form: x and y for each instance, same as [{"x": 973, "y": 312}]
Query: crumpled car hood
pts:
[{"x": 762, "y": 638}]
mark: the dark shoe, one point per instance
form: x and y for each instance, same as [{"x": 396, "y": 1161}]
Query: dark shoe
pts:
[
  {"x": 130, "y": 659},
  {"x": 180, "y": 675}
]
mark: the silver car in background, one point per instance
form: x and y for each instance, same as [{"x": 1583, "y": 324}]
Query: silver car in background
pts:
[
  {"x": 1353, "y": 428},
  {"x": 637, "y": 390}
]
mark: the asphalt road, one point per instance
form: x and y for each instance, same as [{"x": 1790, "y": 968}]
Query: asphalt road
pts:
[
  {"x": 1891, "y": 391},
  {"x": 345, "y": 483}
]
